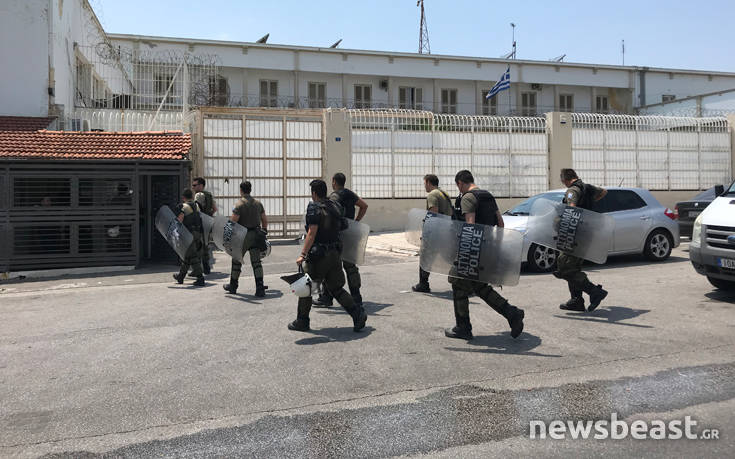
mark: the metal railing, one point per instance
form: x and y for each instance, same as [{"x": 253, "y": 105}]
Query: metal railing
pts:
[
  {"x": 653, "y": 152},
  {"x": 132, "y": 120},
  {"x": 392, "y": 150}
]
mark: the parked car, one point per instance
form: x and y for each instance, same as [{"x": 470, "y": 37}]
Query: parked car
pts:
[
  {"x": 712, "y": 250},
  {"x": 689, "y": 210},
  {"x": 642, "y": 225}
]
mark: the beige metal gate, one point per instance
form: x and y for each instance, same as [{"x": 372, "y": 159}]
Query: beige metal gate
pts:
[{"x": 278, "y": 151}]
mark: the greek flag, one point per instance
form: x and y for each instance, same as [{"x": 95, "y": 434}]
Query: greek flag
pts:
[{"x": 502, "y": 84}]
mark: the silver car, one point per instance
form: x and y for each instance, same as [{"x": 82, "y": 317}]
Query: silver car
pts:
[{"x": 642, "y": 225}]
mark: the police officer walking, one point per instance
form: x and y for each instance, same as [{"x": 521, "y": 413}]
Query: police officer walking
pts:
[
  {"x": 320, "y": 257},
  {"x": 249, "y": 212},
  {"x": 475, "y": 205},
  {"x": 205, "y": 201},
  {"x": 569, "y": 267},
  {"x": 348, "y": 200},
  {"x": 438, "y": 202},
  {"x": 188, "y": 214}
]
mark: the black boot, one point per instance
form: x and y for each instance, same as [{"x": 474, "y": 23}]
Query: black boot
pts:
[
  {"x": 515, "y": 320},
  {"x": 576, "y": 303},
  {"x": 259, "y": 287},
  {"x": 596, "y": 293},
  {"x": 356, "y": 297},
  {"x": 231, "y": 287},
  {"x": 421, "y": 288},
  {"x": 199, "y": 282},
  {"x": 179, "y": 278},
  {"x": 300, "y": 324},
  {"x": 205, "y": 267},
  {"x": 325, "y": 298},
  {"x": 463, "y": 329},
  {"x": 359, "y": 317}
]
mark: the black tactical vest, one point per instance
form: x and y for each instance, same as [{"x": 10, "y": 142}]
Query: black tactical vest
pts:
[
  {"x": 585, "y": 195},
  {"x": 331, "y": 221},
  {"x": 486, "y": 212},
  {"x": 192, "y": 219}
]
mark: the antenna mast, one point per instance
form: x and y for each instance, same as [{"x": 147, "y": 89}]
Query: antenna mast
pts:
[{"x": 423, "y": 31}]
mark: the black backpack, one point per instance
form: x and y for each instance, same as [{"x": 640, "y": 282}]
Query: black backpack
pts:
[{"x": 486, "y": 213}]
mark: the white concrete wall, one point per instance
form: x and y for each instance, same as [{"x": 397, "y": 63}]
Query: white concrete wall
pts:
[
  {"x": 24, "y": 39},
  {"x": 680, "y": 85}
]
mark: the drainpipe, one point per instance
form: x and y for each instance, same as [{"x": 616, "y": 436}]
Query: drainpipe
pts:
[{"x": 642, "y": 84}]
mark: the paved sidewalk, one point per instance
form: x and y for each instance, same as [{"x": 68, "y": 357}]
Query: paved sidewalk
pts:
[{"x": 394, "y": 242}]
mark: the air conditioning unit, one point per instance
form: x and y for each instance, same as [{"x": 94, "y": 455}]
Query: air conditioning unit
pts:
[
  {"x": 384, "y": 85},
  {"x": 536, "y": 87}
]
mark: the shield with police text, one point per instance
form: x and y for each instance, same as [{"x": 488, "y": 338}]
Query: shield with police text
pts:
[
  {"x": 572, "y": 230},
  {"x": 229, "y": 236},
  {"x": 415, "y": 224},
  {"x": 482, "y": 253},
  {"x": 175, "y": 233},
  {"x": 354, "y": 241}
]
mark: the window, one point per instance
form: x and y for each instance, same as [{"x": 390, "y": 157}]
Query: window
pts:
[
  {"x": 268, "y": 93},
  {"x": 317, "y": 95},
  {"x": 219, "y": 91},
  {"x": 84, "y": 83},
  {"x": 601, "y": 104},
  {"x": 105, "y": 192},
  {"x": 161, "y": 82},
  {"x": 618, "y": 200},
  {"x": 41, "y": 192},
  {"x": 528, "y": 104},
  {"x": 667, "y": 97},
  {"x": 449, "y": 101},
  {"x": 363, "y": 96},
  {"x": 489, "y": 107},
  {"x": 410, "y": 98},
  {"x": 98, "y": 91},
  {"x": 566, "y": 102}
]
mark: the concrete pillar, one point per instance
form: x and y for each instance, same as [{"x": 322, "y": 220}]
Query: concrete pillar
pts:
[
  {"x": 560, "y": 145},
  {"x": 344, "y": 92},
  {"x": 338, "y": 151}
]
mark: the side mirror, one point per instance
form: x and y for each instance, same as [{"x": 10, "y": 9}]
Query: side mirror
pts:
[{"x": 719, "y": 190}]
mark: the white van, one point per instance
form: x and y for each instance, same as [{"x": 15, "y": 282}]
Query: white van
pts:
[{"x": 712, "y": 250}]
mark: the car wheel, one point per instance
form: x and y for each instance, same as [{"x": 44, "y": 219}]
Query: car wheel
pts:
[
  {"x": 658, "y": 245},
  {"x": 541, "y": 259},
  {"x": 722, "y": 284}
]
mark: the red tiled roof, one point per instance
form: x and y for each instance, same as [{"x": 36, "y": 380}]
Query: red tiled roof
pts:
[
  {"x": 24, "y": 123},
  {"x": 94, "y": 145}
]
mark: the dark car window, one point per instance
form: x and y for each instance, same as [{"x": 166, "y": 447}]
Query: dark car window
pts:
[
  {"x": 525, "y": 207},
  {"x": 617, "y": 200},
  {"x": 706, "y": 195}
]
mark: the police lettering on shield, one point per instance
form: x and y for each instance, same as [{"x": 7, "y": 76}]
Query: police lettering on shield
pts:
[{"x": 470, "y": 245}]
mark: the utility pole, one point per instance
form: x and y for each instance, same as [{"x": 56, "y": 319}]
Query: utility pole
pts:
[
  {"x": 423, "y": 31},
  {"x": 514, "y": 39},
  {"x": 623, "y": 44}
]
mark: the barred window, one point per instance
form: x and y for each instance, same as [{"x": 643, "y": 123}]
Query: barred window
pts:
[
  {"x": 48, "y": 239},
  {"x": 105, "y": 192},
  {"x": 41, "y": 192},
  {"x": 107, "y": 238}
]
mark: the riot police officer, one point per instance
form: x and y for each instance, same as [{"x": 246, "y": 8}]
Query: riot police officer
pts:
[
  {"x": 348, "y": 200},
  {"x": 188, "y": 214},
  {"x": 205, "y": 201},
  {"x": 569, "y": 267},
  {"x": 320, "y": 257},
  {"x": 438, "y": 202},
  {"x": 249, "y": 212},
  {"x": 475, "y": 205}
]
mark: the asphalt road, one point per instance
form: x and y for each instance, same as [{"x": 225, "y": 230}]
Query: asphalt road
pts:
[{"x": 133, "y": 365}]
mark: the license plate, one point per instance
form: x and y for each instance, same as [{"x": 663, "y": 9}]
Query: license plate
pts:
[
  {"x": 726, "y": 263},
  {"x": 695, "y": 213}
]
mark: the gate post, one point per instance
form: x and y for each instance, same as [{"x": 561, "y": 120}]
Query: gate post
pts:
[
  {"x": 337, "y": 156},
  {"x": 731, "y": 128},
  {"x": 559, "y": 125}
]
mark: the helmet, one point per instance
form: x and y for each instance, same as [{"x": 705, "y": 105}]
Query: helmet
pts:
[
  {"x": 300, "y": 283},
  {"x": 267, "y": 251},
  {"x": 201, "y": 199}
]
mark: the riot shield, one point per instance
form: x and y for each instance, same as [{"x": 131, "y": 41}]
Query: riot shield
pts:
[
  {"x": 482, "y": 253},
  {"x": 229, "y": 236},
  {"x": 415, "y": 224},
  {"x": 175, "y": 233},
  {"x": 572, "y": 230},
  {"x": 354, "y": 240},
  {"x": 207, "y": 223}
]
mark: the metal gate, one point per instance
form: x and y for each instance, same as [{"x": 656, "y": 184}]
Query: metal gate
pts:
[{"x": 278, "y": 151}]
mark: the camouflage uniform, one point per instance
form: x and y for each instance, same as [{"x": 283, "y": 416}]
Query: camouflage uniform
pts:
[
  {"x": 193, "y": 222},
  {"x": 250, "y": 211}
]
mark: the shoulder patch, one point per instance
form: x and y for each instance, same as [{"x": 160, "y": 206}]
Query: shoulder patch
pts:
[{"x": 570, "y": 195}]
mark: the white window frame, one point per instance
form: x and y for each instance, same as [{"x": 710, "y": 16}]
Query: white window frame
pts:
[
  {"x": 601, "y": 107},
  {"x": 270, "y": 98},
  {"x": 411, "y": 97},
  {"x": 528, "y": 108},
  {"x": 446, "y": 100},
  {"x": 566, "y": 107},
  {"x": 361, "y": 101},
  {"x": 318, "y": 100},
  {"x": 489, "y": 106},
  {"x": 667, "y": 98}
]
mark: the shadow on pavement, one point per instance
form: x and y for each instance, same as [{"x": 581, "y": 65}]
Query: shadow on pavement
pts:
[
  {"x": 721, "y": 295},
  {"x": 334, "y": 334},
  {"x": 252, "y": 299},
  {"x": 370, "y": 308},
  {"x": 503, "y": 343},
  {"x": 608, "y": 315},
  {"x": 626, "y": 261}
]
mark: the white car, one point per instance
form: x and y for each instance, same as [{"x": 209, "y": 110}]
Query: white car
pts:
[{"x": 642, "y": 225}]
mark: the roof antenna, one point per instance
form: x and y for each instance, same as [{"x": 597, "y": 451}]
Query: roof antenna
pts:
[
  {"x": 621, "y": 182},
  {"x": 336, "y": 43}
]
